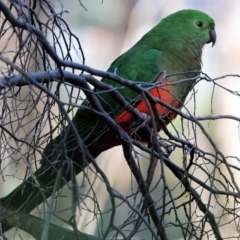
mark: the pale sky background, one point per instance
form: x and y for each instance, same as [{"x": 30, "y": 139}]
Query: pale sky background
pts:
[{"x": 109, "y": 28}]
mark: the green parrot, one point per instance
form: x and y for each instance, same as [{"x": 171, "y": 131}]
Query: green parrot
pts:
[{"x": 174, "y": 45}]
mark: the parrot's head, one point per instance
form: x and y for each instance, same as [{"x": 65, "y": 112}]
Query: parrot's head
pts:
[
  {"x": 191, "y": 26},
  {"x": 184, "y": 28},
  {"x": 200, "y": 24}
]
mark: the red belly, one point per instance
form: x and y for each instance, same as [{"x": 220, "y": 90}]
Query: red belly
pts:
[{"x": 109, "y": 139}]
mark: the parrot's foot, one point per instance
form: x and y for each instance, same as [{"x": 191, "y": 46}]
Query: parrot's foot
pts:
[
  {"x": 140, "y": 128},
  {"x": 187, "y": 148},
  {"x": 166, "y": 145},
  {"x": 136, "y": 124}
]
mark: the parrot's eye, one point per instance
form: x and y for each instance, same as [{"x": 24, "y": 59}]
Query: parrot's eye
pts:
[{"x": 199, "y": 24}]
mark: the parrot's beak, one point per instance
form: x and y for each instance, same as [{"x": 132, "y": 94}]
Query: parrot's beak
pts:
[{"x": 213, "y": 37}]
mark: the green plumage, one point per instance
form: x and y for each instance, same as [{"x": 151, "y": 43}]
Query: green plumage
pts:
[{"x": 174, "y": 45}]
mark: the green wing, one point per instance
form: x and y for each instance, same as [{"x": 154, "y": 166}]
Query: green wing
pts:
[{"x": 139, "y": 64}]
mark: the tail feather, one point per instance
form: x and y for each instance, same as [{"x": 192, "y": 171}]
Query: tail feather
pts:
[{"x": 58, "y": 154}]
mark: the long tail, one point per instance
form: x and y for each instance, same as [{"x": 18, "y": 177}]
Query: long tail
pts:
[
  {"x": 37, "y": 188},
  {"x": 63, "y": 154}
]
